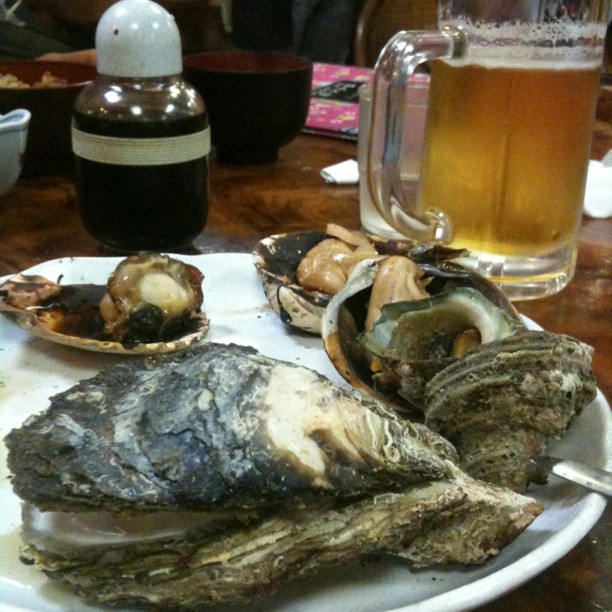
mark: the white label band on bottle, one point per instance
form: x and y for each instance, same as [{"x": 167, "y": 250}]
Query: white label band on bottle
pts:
[{"x": 140, "y": 151}]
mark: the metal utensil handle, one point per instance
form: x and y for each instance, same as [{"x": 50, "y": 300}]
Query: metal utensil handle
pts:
[{"x": 590, "y": 477}]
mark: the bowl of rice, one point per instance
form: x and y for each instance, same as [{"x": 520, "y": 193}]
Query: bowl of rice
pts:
[{"x": 48, "y": 90}]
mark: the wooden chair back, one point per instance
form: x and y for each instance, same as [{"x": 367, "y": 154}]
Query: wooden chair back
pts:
[{"x": 381, "y": 19}]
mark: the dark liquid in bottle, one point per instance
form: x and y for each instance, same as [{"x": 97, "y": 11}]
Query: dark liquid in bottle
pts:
[{"x": 143, "y": 208}]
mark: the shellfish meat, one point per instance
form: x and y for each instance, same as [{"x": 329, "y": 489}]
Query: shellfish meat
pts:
[
  {"x": 392, "y": 348},
  {"x": 151, "y": 303},
  {"x": 301, "y": 271}
]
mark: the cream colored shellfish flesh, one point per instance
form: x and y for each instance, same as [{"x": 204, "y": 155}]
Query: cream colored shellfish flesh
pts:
[{"x": 150, "y": 304}]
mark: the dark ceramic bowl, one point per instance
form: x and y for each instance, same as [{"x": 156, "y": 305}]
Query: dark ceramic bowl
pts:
[
  {"x": 49, "y": 148},
  {"x": 256, "y": 102}
]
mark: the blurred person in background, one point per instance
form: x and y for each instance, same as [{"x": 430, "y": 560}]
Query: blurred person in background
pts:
[
  {"x": 29, "y": 28},
  {"x": 33, "y": 28},
  {"x": 321, "y": 30}
]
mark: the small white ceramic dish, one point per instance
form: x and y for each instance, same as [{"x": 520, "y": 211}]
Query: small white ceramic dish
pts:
[{"x": 13, "y": 137}]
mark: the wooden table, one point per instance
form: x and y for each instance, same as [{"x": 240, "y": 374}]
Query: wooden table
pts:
[{"x": 39, "y": 221}]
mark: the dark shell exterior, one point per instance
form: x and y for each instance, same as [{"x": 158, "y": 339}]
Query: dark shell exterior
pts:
[{"x": 276, "y": 259}]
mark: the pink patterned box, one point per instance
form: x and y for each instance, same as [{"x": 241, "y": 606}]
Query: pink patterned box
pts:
[{"x": 334, "y": 105}]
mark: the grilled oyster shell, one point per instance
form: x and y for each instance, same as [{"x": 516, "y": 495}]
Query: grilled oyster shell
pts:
[
  {"x": 214, "y": 426},
  {"x": 282, "y": 473},
  {"x": 507, "y": 400},
  {"x": 459, "y": 520}
]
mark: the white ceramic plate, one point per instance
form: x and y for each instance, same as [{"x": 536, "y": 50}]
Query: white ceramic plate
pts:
[{"x": 32, "y": 369}]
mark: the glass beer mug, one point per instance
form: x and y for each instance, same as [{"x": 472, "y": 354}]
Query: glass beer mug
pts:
[{"x": 513, "y": 90}]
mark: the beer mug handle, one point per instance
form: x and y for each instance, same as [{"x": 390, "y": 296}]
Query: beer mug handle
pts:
[{"x": 396, "y": 64}]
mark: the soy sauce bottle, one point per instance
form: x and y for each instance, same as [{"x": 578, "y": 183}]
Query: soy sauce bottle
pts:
[{"x": 140, "y": 135}]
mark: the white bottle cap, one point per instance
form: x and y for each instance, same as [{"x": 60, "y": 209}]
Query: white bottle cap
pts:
[{"x": 138, "y": 38}]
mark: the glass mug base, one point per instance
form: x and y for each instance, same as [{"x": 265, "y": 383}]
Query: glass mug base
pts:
[{"x": 526, "y": 278}]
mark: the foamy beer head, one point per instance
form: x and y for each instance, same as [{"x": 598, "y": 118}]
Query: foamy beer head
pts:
[
  {"x": 507, "y": 136},
  {"x": 529, "y": 30}
]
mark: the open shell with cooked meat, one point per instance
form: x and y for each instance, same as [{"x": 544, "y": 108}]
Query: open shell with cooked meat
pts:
[
  {"x": 276, "y": 259},
  {"x": 301, "y": 271},
  {"x": 150, "y": 304},
  {"x": 396, "y": 323},
  {"x": 463, "y": 359}
]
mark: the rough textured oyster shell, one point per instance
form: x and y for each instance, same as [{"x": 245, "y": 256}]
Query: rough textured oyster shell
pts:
[
  {"x": 505, "y": 401},
  {"x": 499, "y": 403},
  {"x": 270, "y": 471},
  {"x": 214, "y": 426},
  {"x": 457, "y": 521}
]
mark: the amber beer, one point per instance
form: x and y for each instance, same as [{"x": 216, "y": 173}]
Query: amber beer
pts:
[{"x": 506, "y": 154}]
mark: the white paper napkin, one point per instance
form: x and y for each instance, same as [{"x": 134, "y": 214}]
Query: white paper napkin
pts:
[
  {"x": 598, "y": 193},
  {"x": 344, "y": 173}
]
